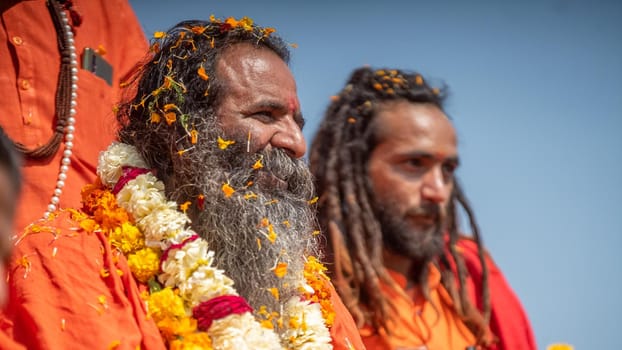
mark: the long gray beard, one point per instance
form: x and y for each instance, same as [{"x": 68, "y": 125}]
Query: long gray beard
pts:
[{"x": 236, "y": 228}]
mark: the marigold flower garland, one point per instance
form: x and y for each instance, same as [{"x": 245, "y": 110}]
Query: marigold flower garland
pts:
[{"x": 192, "y": 302}]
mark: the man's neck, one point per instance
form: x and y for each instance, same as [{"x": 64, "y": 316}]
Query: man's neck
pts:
[{"x": 408, "y": 267}]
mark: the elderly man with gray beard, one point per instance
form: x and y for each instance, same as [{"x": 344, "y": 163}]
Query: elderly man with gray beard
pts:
[{"x": 200, "y": 231}]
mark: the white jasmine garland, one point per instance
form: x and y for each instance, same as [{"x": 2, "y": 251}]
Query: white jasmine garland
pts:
[{"x": 189, "y": 265}]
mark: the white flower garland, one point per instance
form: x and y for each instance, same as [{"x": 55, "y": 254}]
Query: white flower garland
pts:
[{"x": 189, "y": 267}]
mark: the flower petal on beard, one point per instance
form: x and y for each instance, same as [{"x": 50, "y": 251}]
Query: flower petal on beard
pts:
[{"x": 111, "y": 162}]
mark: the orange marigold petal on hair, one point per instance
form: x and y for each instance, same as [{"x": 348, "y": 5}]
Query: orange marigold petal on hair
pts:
[
  {"x": 280, "y": 270},
  {"x": 159, "y": 35},
  {"x": 202, "y": 74},
  {"x": 223, "y": 144},
  {"x": 227, "y": 190}
]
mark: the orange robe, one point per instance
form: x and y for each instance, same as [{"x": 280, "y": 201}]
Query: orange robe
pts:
[
  {"x": 29, "y": 68},
  {"x": 508, "y": 321},
  {"x": 415, "y": 322},
  {"x": 70, "y": 289}
]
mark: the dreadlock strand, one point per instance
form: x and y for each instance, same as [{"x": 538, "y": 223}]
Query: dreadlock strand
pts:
[{"x": 461, "y": 198}]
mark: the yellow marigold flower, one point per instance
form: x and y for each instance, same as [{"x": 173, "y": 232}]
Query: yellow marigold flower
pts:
[
  {"x": 159, "y": 35},
  {"x": 144, "y": 264},
  {"x": 202, "y": 74},
  {"x": 227, "y": 190},
  {"x": 170, "y": 117},
  {"x": 280, "y": 270},
  {"x": 155, "y": 117},
  {"x": 223, "y": 144},
  {"x": 127, "y": 238},
  {"x": 165, "y": 303},
  {"x": 192, "y": 341},
  {"x": 173, "y": 328}
]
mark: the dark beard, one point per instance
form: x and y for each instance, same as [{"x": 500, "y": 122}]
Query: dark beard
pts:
[
  {"x": 399, "y": 236},
  {"x": 236, "y": 228}
]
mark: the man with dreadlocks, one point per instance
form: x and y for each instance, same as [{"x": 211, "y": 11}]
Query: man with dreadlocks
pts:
[
  {"x": 200, "y": 231},
  {"x": 384, "y": 159}
]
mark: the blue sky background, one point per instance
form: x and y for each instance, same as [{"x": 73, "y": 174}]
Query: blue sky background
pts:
[{"x": 536, "y": 96}]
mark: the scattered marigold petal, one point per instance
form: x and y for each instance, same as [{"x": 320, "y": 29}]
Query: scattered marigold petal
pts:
[
  {"x": 227, "y": 190},
  {"x": 271, "y": 234},
  {"x": 169, "y": 106},
  {"x": 212, "y": 43},
  {"x": 351, "y": 120},
  {"x": 170, "y": 117},
  {"x": 201, "y": 201},
  {"x": 62, "y": 324},
  {"x": 280, "y": 270},
  {"x": 436, "y": 91},
  {"x": 104, "y": 273},
  {"x": 258, "y": 243},
  {"x": 334, "y": 98},
  {"x": 274, "y": 292},
  {"x": 101, "y": 50},
  {"x": 194, "y": 136},
  {"x": 286, "y": 223},
  {"x": 184, "y": 206},
  {"x": 377, "y": 86},
  {"x": 257, "y": 165},
  {"x": 202, "y": 74},
  {"x": 159, "y": 35},
  {"x": 212, "y": 18},
  {"x": 313, "y": 200},
  {"x": 198, "y": 29},
  {"x": 250, "y": 195},
  {"x": 115, "y": 344},
  {"x": 269, "y": 30},
  {"x": 316, "y": 232},
  {"x": 155, "y": 117},
  {"x": 264, "y": 222},
  {"x": 267, "y": 324},
  {"x": 223, "y": 144}
]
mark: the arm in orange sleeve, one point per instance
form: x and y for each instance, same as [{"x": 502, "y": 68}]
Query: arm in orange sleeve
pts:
[
  {"x": 344, "y": 332},
  {"x": 69, "y": 289}
]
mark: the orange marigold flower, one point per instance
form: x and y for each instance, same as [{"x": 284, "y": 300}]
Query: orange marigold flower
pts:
[{"x": 232, "y": 22}]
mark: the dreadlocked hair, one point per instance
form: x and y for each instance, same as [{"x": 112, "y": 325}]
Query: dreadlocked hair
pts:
[
  {"x": 172, "y": 96},
  {"x": 338, "y": 160}
]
